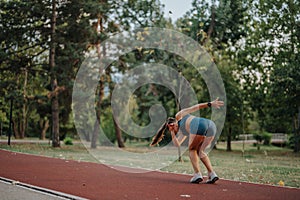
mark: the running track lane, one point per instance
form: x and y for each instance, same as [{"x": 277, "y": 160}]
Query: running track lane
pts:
[{"x": 97, "y": 181}]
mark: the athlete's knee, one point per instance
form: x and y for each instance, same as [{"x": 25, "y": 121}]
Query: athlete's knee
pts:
[
  {"x": 202, "y": 154},
  {"x": 192, "y": 154}
]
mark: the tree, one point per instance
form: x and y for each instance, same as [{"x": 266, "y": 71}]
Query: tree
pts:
[
  {"x": 219, "y": 27},
  {"x": 54, "y": 84},
  {"x": 285, "y": 74},
  {"x": 31, "y": 31},
  {"x": 133, "y": 14},
  {"x": 269, "y": 63},
  {"x": 19, "y": 55}
]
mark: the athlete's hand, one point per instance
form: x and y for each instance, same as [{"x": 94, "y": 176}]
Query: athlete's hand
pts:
[{"x": 216, "y": 103}]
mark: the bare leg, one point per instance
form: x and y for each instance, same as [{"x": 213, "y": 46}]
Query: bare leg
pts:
[
  {"x": 194, "y": 143},
  {"x": 203, "y": 156},
  {"x": 195, "y": 161},
  {"x": 205, "y": 160},
  {"x": 212, "y": 176},
  {"x": 194, "y": 157}
]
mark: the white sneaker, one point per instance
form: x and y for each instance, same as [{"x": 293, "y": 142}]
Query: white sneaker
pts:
[
  {"x": 197, "y": 178},
  {"x": 212, "y": 178}
]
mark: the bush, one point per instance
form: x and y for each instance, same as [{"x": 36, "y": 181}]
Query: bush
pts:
[
  {"x": 267, "y": 138},
  {"x": 258, "y": 137},
  {"x": 68, "y": 141},
  {"x": 262, "y": 138},
  {"x": 292, "y": 141}
]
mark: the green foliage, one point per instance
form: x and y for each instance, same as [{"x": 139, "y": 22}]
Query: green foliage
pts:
[
  {"x": 212, "y": 26},
  {"x": 263, "y": 137},
  {"x": 255, "y": 45},
  {"x": 293, "y": 139},
  {"x": 267, "y": 138},
  {"x": 68, "y": 141},
  {"x": 26, "y": 50},
  {"x": 258, "y": 137},
  {"x": 270, "y": 65}
]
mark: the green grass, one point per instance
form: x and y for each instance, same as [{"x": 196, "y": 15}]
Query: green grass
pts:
[
  {"x": 74, "y": 152},
  {"x": 267, "y": 166}
]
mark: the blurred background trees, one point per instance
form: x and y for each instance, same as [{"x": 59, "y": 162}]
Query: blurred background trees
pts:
[{"x": 255, "y": 45}]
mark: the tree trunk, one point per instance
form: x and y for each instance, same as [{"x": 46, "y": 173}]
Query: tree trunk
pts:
[
  {"x": 179, "y": 154},
  {"x": 118, "y": 131},
  {"x": 10, "y": 121},
  {"x": 54, "y": 99},
  {"x": 95, "y": 134},
  {"x": 228, "y": 146},
  {"x": 44, "y": 124},
  {"x": 100, "y": 92},
  {"x": 211, "y": 25},
  {"x": 86, "y": 135},
  {"x": 15, "y": 124},
  {"x": 229, "y": 138},
  {"x": 297, "y": 132},
  {"x": 118, "y": 135},
  {"x": 24, "y": 108},
  {"x": 99, "y": 28}
]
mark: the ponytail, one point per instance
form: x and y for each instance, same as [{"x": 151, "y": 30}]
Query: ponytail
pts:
[{"x": 160, "y": 133}]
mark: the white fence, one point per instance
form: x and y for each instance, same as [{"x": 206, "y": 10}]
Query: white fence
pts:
[{"x": 276, "y": 137}]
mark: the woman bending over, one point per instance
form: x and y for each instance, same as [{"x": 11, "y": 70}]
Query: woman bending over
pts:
[{"x": 200, "y": 131}]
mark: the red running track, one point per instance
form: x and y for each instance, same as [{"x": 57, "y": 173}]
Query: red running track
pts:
[{"x": 97, "y": 181}]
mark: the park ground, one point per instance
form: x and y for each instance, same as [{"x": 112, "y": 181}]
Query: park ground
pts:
[
  {"x": 270, "y": 165},
  {"x": 92, "y": 180},
  {"x": 98, "y": 181}
]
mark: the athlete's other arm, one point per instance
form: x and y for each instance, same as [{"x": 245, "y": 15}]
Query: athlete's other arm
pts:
[{"x": 177, "y": 141}]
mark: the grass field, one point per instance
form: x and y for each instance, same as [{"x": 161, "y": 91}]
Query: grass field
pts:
[{"x": 269, "y": 165}]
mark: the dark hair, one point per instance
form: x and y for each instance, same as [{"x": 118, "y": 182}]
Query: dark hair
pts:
[{"x": 160, "y": 133}]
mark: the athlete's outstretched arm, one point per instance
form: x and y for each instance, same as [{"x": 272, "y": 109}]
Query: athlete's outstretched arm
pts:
[{"x": 215, "y": 104}]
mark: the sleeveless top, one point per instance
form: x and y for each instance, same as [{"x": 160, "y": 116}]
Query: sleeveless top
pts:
[{"x": 198, "y": 125}]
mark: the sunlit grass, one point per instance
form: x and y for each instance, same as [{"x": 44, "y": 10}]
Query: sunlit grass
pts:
[
  {"x": 74, "y": 152},
  {"x": 267, "y": 166}
]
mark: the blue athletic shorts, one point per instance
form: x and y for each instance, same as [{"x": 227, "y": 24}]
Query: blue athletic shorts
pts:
[{"x": 198, "y": 126}]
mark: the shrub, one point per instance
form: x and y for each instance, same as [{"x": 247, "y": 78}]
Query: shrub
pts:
[
  {"x": 258, "y": 137},
  {"x": 266, "y": 138},
  {"x": 68, "y": 141},
  {"x": 292, "y": 141},
  {"x": 263, "y": 137}
]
